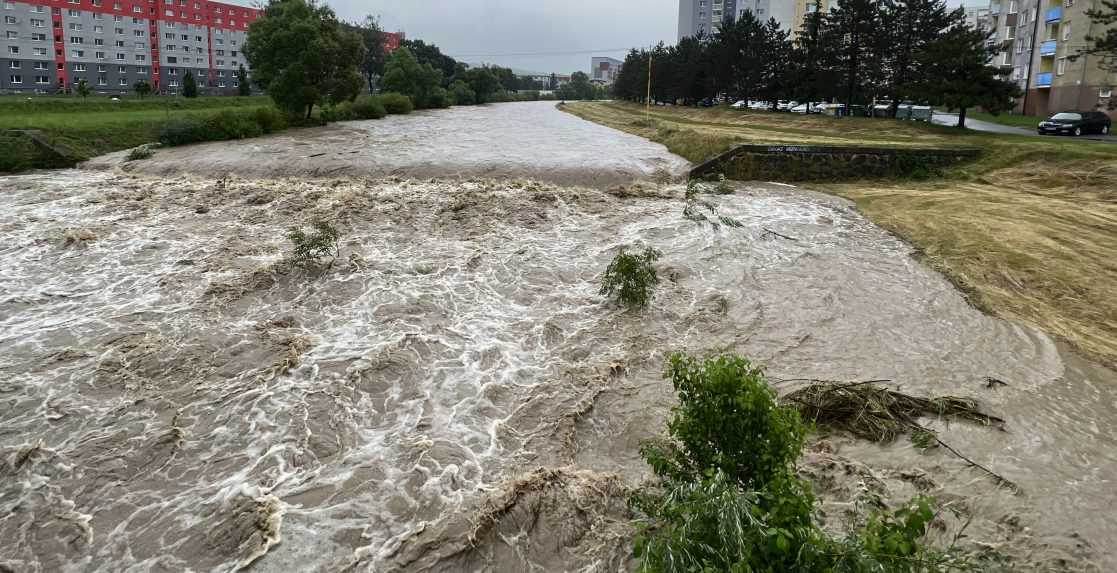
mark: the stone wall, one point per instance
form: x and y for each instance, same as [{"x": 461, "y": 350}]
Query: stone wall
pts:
[{"x": 792, "y": 163}]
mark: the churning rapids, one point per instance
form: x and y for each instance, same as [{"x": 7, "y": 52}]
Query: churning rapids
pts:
[{"x": 452, "y": 394}]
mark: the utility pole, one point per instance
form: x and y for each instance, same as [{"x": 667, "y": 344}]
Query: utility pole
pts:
[
  {"x": 648, "y": 99},
  {"x": 1031, "y": 60}
]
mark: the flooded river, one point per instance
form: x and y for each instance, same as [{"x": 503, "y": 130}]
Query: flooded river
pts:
[{"x": 452, "y": 394}]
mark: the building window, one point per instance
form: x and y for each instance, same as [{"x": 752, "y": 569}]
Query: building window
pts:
[
  {"x": 102, "y": 81},
  {"x": 37, "y": 37},
  {"x": 185, "y": 38},
  {"x": 75, "y": 26},
  {"x": 124, "y": 81},
  {"x": 141, "y": 70},
  {"x": 120, "y": 56},
  {"x": 99, "y": 55},
  {"x": 39, "y": 51},
  {"x": 1060, "y": 66},
  {"x": 138, "y": 33},
  {"x": 15, "y": 65},
  {"x": 13, "y": 50},
  {"x": 172, "y": 60},
  {"x": 36, "y": 23},
  {"x": 220, "y": 62},
  {"x": 15, "y": 79},
  {"x": 73, "y": 13},
  {"x": 98, "y": 42},
  {"x": 79, "y": 67},
  {"x": 40, "y": 65},
  {"x": 140, "y": 46},
  {"x": 77, "y": 40},
  {"x": 119, "y": 43},
  {"x": 173, "y": 83},
  {"x": 12, "y": 35},
  {"x": 141, "y": 58},
  {"x": 98, "y": 29},
  {"x": 102, "y": 68},
  {"x": 1066, "y": 30},
  {"x": 42, "y": 79}
]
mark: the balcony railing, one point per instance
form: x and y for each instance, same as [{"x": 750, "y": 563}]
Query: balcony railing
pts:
[
  {"x": 1054, "y": 14},
  {"x": 1047, "y": 48},
  {"x": 1043, "y": 80}
]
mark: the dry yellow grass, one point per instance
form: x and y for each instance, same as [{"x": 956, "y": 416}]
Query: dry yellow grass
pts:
[{"x": 1028, "y": 232}]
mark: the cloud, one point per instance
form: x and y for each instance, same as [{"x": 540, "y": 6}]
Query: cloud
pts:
[{"x": 543, "y": 35}]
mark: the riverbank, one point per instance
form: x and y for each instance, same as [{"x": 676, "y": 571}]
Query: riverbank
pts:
[{"x": 1027, "y": 231}]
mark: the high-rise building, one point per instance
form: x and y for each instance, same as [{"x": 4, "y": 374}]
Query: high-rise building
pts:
[
  {"x": 707, "y": 15},
  {"x": 49, "y": 45},
  {"x": 1037, "y": 40},
  {"x": 604, "y": 70},
  {"x": 703, "y": 16}
]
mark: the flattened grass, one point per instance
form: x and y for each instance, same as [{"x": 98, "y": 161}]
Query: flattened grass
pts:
[{"x": 1028, "y": 231}]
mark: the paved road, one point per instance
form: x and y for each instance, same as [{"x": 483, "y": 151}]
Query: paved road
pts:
[{"x": 951, "y": 119}]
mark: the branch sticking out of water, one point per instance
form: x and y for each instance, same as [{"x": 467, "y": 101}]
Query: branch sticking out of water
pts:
[{"x": 875, "y": 413}]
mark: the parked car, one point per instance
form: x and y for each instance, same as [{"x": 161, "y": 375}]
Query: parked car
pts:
[
  {"x": 759, "y": 105},
  {"x": 741, "y": 104},
  {"x": 1076, "y": 123},
  {"x": 785, "y": 105},
  {"x": 806, "y": 108},
  {"x": 706, "y": 103}
]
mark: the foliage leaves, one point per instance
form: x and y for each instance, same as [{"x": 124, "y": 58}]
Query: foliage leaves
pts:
[
  {"x": 631, "y": 277},
  {"x": 310, "y": 248},
  {"x": 302, "y": 57}
]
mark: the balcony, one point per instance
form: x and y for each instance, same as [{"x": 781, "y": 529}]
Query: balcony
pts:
[
  {"x": 1047, "y": 48},
  {"x": 1043, "y": 80},
  {"x": 1053, "y": 14}
]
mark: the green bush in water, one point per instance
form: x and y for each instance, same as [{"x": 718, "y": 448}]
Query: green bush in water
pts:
[{"x": 631, "y": 277}]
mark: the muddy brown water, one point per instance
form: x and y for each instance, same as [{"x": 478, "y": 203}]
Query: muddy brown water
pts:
[{"x": 452, "y": 394}]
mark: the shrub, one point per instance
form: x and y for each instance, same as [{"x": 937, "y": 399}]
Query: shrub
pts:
[
  {"x": 395, "y": 104},
  {"x": 439, "y": 99},
  {"x": 229, "y": 124},
  {"x": 137, "y": 153},
  {"x": 310, "y": 248},
  {"x": 631, "y": 277},
  {"x": 337, "y": 112},
  {"x": 462, "y": 93},
  {"x": 727, "y": 419},
  {"x": 270, "y": 119},
  {"x": 367, "y": 107},
  {"x": 182, "y": 131}
]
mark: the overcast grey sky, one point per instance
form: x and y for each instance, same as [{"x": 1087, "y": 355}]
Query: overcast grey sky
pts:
[
  {"x": 525, "y": 34},
  {"x": 471, "y": 30}
]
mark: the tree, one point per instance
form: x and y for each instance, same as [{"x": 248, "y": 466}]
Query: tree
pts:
[
  {"x": 142, "y": 88},
  {"x": 404, "y": 74},
  {"x": 430, "y": 54},
  {"x": 1105, "y": 45},
  {"x": 189, "y": 86},
  {"x": 483, "y": 82},
  {"x": 908, "y": 28},
  {"x": 82, "y": 88},
  {"x": 244, "y": 85},
  {"x": 959, "y": 75},
  {"x": 856, "y": 25},
  {"x": 462, "y": 93},
  {"x": 302, "y": 57},
  {"x": 813, "y": 65},
  {"x": 375, "y": 56}
]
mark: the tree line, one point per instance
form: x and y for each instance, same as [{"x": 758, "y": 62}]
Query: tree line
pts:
[
  {"x": 303, "y": 56},
  {"x": 859, "y": 52}
]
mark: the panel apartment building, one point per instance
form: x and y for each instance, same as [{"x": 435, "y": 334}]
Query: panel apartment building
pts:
[
  {"x": 49, "y": 45},
  {"x": 1037, "y": 39},
  {"x": 706, "y": 16}
]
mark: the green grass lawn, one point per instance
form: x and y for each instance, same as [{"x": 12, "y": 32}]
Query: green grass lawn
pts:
[{"x": 98, "y": 125}]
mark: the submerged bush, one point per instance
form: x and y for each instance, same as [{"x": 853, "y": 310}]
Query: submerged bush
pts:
[
  {"x": 310, "y": 248},
  {"x": 270, "y": 119},
  {"x": 226, "y": 124},
  {"x": 631, "y": 277},
  {"x": 727, "y": 419},
  {"x": 395, "y": 104},
  {"x": 229, "y": 124},
  {"x": 728, "y": 498},
  {"x": 137, "y": 153}
]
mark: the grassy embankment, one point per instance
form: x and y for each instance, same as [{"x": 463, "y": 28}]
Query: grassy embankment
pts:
[
  {"x": 1028, "y": 231},
  {"x": 87, "y": 128}
]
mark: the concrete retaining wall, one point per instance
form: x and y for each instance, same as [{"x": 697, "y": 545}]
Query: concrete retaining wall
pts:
[{"x": 791, "y": 163}]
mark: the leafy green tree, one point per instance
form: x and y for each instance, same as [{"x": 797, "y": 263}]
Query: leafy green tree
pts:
[
  {"x": 244, "y": 84},
  {"x": 142, "y": 88},
  {"x": 958, "y": 74},
  {"x": 301, "y": 56},
  {"x": 1104, "y": 45},
  {"x": 430, "y": 54},
  {"x": 189, "y": 86},
  {"x": 462, "y": 93},
  {"x": 375, "y": 56},
  {"x": 404, "y": 74},
  {"x": 483, "y": 82},
  {"x": 82, "y": 88}
]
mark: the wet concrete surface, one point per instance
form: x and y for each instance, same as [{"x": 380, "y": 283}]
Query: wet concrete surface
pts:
[
  {"x": 951, "y": 120},
  {"x": 452, "y": 394},
  {"x": 528, "y": 139}
]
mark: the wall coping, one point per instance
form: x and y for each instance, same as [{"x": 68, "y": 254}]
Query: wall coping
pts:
[{"x": 808, "y": 149}]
